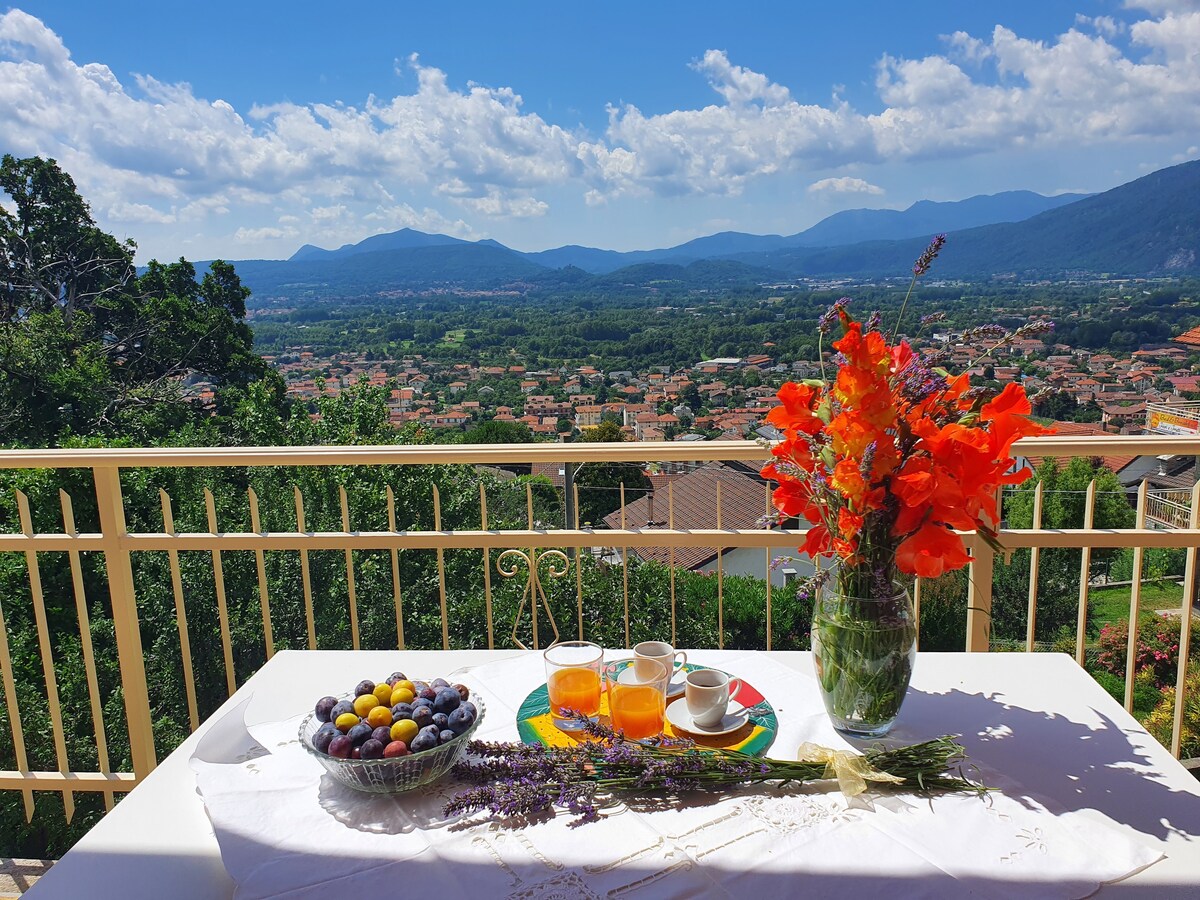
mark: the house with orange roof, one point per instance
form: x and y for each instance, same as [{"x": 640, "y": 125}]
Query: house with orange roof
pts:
[{"x": 690, "y": 501}]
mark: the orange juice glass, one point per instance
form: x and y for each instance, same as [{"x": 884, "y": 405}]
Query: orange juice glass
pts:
[
  {"x": 637, "y": 700},
  {"x": 573, "y": 673}
]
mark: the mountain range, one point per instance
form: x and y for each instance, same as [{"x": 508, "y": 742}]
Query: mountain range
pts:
[{"x": 1146, "y": 227}]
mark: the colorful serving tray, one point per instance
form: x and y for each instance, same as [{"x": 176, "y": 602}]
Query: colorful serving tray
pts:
[{"x": 536, "y": 726}]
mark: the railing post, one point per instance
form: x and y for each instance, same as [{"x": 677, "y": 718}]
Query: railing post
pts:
[
  {"x": 979, "y": 596},
  {"x": 125, "y": 619},
  {"x": 570, "y": 513}
]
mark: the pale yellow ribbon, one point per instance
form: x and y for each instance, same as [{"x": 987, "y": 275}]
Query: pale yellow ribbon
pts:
[{"x": 851, "y": 770}]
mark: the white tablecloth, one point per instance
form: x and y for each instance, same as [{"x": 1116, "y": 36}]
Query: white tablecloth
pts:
[{"x": 285, "y": 828}]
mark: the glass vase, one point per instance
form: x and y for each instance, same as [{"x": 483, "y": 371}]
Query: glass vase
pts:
[{"x": 864, "y": 649}]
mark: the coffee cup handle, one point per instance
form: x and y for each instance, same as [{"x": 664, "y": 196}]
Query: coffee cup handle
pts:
[
  {"x": 735, "y": 685},
  {"x": 681, "y": 657}
]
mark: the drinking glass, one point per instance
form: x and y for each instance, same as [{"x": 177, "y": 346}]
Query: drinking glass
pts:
[
  {"x": 573, "y": 672},
  {"x": 637, "y": 698}
]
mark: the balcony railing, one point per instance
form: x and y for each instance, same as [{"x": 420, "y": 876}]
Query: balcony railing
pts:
[
  {"x": 1169, "y": 509},
  {"x": 97, "y": 567}
]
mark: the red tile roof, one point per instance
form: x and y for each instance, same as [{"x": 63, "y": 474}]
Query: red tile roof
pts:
[
  {"x": 692, "y": 499},
  {"x": 1073, "y": 429}
]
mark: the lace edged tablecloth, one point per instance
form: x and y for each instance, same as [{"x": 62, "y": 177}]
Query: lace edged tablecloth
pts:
[{"x": 286, "y": 829}]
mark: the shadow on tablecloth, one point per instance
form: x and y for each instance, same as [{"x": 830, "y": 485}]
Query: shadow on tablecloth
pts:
[{"x": 1097, "y": 765}]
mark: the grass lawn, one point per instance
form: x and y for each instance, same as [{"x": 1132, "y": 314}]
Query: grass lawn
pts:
[{"x": 1110, "y": 604}]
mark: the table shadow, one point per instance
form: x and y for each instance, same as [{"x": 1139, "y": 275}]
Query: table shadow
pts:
[
  {"x": 386, "y": 813},
  {"x": 1047, "y": 758}
]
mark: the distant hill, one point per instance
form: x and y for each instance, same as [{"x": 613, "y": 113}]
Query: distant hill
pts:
[
  {"x": 403, "y": 239},
  {"x": 852, "y": 226},
  {"x": 1146, "y": 227},
  {"x": 458, "y": 265},
  {"x": 926, "y": 217}
]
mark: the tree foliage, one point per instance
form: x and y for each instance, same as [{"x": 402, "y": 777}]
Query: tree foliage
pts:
[
  {"x": 1064, "y": 498},
  {"x": 87, "y": 346},
  {"x": 600, "y": 482}
]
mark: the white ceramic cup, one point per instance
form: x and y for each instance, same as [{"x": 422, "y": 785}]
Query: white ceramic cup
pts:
[
  {"x": 707, "y": 693},
  {"x": 658, "y": 651}
]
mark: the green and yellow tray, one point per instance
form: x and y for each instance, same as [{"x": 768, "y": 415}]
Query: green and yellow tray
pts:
[{"x": 536, "y": 726}]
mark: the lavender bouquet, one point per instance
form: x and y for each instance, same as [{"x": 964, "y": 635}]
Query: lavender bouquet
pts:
[{"x": 516, "y": 782}]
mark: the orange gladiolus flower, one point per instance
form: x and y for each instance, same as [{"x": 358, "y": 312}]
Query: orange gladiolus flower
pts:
[
  {"x": 930, "y": 551},
  {"x": 1007, "y": 416},
  {"x": 791, "y": 498},
  {"x": 796, "y": 412},
  {"x": 905, "y": 457},
  {"x": 849, "y": 523},
  {"x": 817, "y": 542}
]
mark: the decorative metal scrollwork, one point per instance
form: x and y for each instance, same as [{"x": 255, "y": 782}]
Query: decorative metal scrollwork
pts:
[{"x": 534, "y": 593}]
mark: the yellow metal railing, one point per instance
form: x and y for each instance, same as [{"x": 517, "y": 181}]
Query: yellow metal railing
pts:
[{"x": 118, "y": 545}]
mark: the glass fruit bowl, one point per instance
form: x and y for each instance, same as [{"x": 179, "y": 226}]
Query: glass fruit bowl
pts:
[{"x": 395, "y": 775}]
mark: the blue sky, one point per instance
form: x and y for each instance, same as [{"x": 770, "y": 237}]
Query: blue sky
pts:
[{"x": 244, "y": 130}]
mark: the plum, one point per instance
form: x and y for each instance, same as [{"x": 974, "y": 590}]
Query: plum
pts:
[
  {"x": 401, "y": 711},
  {"x": 394, "y": 677},
  {"x": 471, "y": 706},
  {"x": 440, "y": 720},
  {"x": 446, "y": 736},
  {"x": 364, "y": 687},
  {"x": 423, "y": 716},
  {"x": 356, "y": 753},
  {"x": 383, "y": 734},
  {"x": 324, "y": 706},
  {"x": 340, "y": 747},
  {"x": 359, "y": 733},
  {"x": 461, "y": 719},
  {"x": 371, "y": 749},
  {"x": 428, "y": 694},
  {"x": 425, "y": 740},
  {"x": 464, "y": 692},
  {"x": 439, "y": 683},
  {"x": 340, "y": 709},
  {"x": 395, "y": 749},
  {"x": 446, "y": 700},
  {"x": 423, "y": 701},
  {"x": 419, "y": 686},
  {"x": 322, "y": 739}
]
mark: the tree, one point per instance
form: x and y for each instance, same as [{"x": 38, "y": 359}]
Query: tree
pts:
[
  {"x": 493, "y": 432},
  {"x": 600, "y": 482},
  {"x": 1064, "y": 497},
  {"x": 86, "y": 347},
  {"x": 1057, "y": 405}
]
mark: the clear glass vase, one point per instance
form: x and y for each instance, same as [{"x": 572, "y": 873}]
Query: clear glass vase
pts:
[{"x": 864, "y": 649}]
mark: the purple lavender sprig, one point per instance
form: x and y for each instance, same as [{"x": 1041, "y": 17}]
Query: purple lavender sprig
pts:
[
  {"x": 920, "y": 267},
  {"x": 517, "y": 782},
  {"x": 832, "y": 315},
  {"x": 925, "y": 260}
]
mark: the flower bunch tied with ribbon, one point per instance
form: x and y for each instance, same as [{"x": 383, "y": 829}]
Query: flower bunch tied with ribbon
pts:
[{"x": 889, "y": 456}]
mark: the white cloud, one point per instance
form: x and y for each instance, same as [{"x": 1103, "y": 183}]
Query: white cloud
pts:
[
  {"x": 1105, "y": 25},
  {"x": 844, "y": 185},
  {"x": 266, "y": 233},
  {"x": 138, "y": 212},
  {"x": 1162, "y": 7},
  {"x": 1077, "y": 89},
  {"x": 447, "y": 159}
]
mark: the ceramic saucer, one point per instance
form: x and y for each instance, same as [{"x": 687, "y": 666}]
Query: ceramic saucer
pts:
[
  {"x": 680, "y": 718},
  {"x": 677, "y": 684}
]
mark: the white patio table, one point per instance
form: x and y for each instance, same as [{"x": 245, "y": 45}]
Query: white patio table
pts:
[{"x": 1037, "y": 718}]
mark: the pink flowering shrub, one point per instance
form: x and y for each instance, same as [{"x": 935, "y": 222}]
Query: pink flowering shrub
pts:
[{"x": 1157, "y": 648}]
